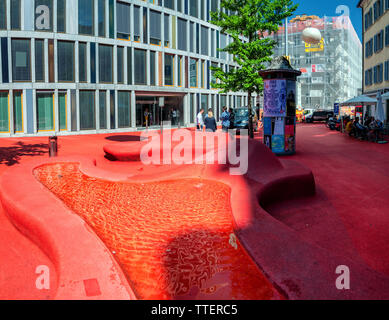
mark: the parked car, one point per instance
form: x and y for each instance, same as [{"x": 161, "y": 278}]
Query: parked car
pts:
[
  {"x": 307, "y": 114},
  {"x": 319, "y": 115},
  {"x": 241, "y": 119}
]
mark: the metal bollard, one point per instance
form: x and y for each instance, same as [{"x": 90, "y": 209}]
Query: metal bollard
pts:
[{"x": 53, "y": 146}]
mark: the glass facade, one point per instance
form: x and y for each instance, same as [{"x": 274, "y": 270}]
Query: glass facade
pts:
[
  {"x": 18, "y": 111},
  {"x": 105, "y": 63},
  {"x": 87, "y": 110},
  {"x": 44, "y": 17},
  {"x": 65, "y": 61},
  {"x": 124, "y": 109},
  {"x": 39, "y": 60},
  {"x": 21, "y": 60},
  {"x": 108, "y": 51},
  {"x": 82, "y": 62},
  {"x": 86, "y": 17},
  {"x": 45, "y": 111},
  {"x": 4, "y": 111}
]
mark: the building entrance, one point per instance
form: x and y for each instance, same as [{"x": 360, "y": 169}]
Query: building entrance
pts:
[{"x": 150, "y": 113}]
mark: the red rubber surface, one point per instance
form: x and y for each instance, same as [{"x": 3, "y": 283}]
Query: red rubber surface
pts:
[
  {"x": 298, "y": 242},
  {"x": 170, "y": 237}
]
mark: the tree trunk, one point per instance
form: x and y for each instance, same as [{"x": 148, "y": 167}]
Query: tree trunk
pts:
[{"x": 251, "y": 128}]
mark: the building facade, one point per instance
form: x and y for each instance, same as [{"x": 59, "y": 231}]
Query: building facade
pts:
[
  {"x": 332, "y": 69},
  {"x": 375, "y": 22},
  {"x": 87, "y": 66}
]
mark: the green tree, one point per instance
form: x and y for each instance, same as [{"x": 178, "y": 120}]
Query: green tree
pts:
[{"x": 247, "y": 22}]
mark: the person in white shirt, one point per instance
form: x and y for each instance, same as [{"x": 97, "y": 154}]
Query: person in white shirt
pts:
[{"x": 200, "y": 120}]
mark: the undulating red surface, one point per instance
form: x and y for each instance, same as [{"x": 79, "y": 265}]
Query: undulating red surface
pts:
[
  {"x": 173, "y": 239},
  {"x": 19, "y": 259},
  {"x": 349, "y": 216}
]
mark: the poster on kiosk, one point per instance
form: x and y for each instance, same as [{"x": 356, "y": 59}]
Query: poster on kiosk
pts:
[{"x": 280, "y": 115}]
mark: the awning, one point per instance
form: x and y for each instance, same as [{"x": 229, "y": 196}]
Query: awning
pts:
[
  {"x": 360, "y": 100},
  {"x": 385, "y": 96}
]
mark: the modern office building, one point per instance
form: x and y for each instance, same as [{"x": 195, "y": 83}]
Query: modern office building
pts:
[
  {"x": 375, "y": 21},
  {"x": 86, "y": 66},
  {"x": 332, "y": 69}
]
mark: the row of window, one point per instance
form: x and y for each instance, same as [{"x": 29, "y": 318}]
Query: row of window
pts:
[
  {"x": 146, "y": 25},
  {"x": 45, "y": 111},
  {"x": 197, "y": 70},
  {"x": 102, "y": 103},
  {"x": 377, "y": 74},
  {"x": 375, "y": 12},
  {"x": 377, "y": 42}
]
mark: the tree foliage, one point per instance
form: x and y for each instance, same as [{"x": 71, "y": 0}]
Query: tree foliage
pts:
[{"x": 246, "y": 23}]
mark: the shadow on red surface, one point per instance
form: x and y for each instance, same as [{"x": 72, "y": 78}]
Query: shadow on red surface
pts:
[{"x": 11, "y": 155}]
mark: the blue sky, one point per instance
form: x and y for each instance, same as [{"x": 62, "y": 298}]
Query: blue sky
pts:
[{"x": 328, "y": 8}]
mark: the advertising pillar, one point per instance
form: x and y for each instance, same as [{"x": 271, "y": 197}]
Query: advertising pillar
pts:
[{"x": 279, "y": 115}]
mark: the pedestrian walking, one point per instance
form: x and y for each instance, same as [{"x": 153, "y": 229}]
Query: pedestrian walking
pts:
[
  {"x": 225, "y": 117},
  {"x": 200, "y": 120},
  {"x": 210, "y": 122}
]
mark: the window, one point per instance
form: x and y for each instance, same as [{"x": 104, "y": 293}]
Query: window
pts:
[
  {"x": 145, "y": 37},
  {"x": 21, "y": 64},
  {"x": 182, "y": 34},
  {"x": 124, "y": 109},
  {"x": 214, "y": 5},
  {"x": 87, "y": 110},
  {"x": 155, "y": 27},
  {"x": 82, "y": 62},
  {"x": 204, "y": 101},
  {"x": 202, "y": 77},
  {"x": 179, "y": 6},
  {"x": 105, "y": 63},
  {"x": 192, "y": 108},
  {"x": 193, "y": 8},
  {"x": 179, "y": 71},
  {"x": 169, "y": 4},
  {"x": 3, "y": 24},
  {"x": 103, "y": 109},
  {"x": 166, "y": 29},
  {"x": 387, "y": 35},
  {"x": 140, "y": 66},
  {"x": 191, "y": 37},
  {"x": 4, "y": 112},
  {"x": 18, "y": 111},
  {"x": 61, "y": 15},
  {"x": 137, "y": 23},
  {"x": 15, "y": 14},
  {"x": 204, "y": 40},
  {"x": 129, "y": 66},
  {"x": 120, "y": 63},
  {"x": 42, "y": 21},
  {"x": 123, "y": 21},
  {"x": 213, "y": 79},
  {"x": 223, "y": 44},
  {"x": 213, "y": 43},
  {"x": 62, "y": 110},
  {"x": 152, "y": 68},
  {"x": 379, "y": 41},
  {"x": 39, "y": 60},
  {"x": 386, "y": 71},
  {"x": 193, "y": 73},
  {"x": 86, "y": 17},
  {"x": 380, "y": 70},
  {"x": 169, "y": 70},
  {"x": 65, "y": 61},
  {"x": 45, "y": 111},
  {"x": 101, "y": 17}
]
